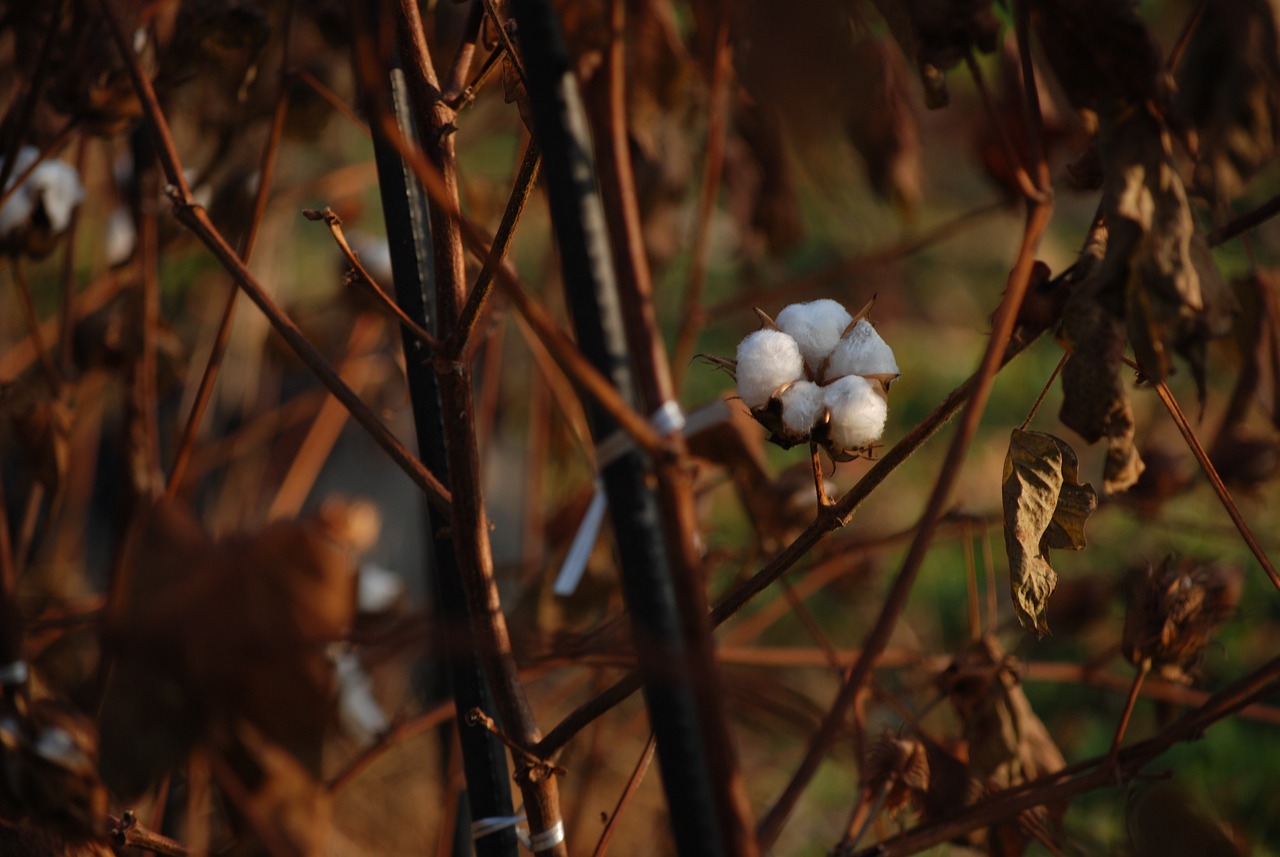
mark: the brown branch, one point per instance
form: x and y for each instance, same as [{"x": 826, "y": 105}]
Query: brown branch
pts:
[
  {"x": 1088, "y": 775},
  {"x": 364, "y": 278},
  {"x": 204, "y": 390},
  {"x": 1245, "y": 222},
  {"x": 462, "y": 340},
  {"x": 633, "y": 783},
  {"x": 847, "y": 269},
  {"x": 833, "y": 518},
  {"x": 469, "y": 522},
  {"x": 197, "y": 220},
  {"x": 1003, "y": 323},
  {"x": 126, "y": 832}
]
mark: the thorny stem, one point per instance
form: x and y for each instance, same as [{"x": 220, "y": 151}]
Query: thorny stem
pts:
[
  {"x": 692, "y": 317},
  {"x": 633, "y": 783},
  {"x": 1180, "y": 419},
  {"x": 197, "y": 220},
  {"x": 126, "y": 832},
  {"x": 266, "y": 171},
  {"x": 1005, "y": 318}
]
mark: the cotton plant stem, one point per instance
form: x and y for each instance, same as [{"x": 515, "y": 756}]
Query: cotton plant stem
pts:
[
  {"x": 194, "y": 218},
  {"x": 1003, "y": 324},
  {"x": 469, "y": 523},
  {"x": 832, "y": 519}
]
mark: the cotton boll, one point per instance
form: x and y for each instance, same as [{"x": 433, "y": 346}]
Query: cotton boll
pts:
[
  {"x": 16, "y": 211},
  {"x": 801, "y": 407},
  {"x": 862, "y": 352},
  {"x": 858, "y": 412},
  {"x": 816, "y": 326},
  {"x": 57, "y": 185},
  {"x": 119, "y": 236},
  {"x": 767, "y": 359}
]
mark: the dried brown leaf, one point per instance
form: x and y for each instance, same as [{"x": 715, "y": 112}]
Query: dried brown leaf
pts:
[
  {"x": 1257, "y": 335},
  {"x": 1045, "y": 506},
  {"x": 898, "y": 767},
  {"x": 881, "y": 121},
  {"x": 1229, "y": 92},
  {"x": 215, "y": 633},
  {"x": 1100, "y": 51}
]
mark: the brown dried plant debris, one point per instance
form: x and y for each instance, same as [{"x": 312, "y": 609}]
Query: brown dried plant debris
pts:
[
  {"x": 1173, "y": 611},
  {"x": 1229, "y": 93},
  {"x": 209, "y": 634},
  {"x": 49, "y": 788},
  {"x": 898, "y": 768},
  {"x": 1045, "y": 506},
  {"x": 937, "y": 34},
  {"x": 1162, "y": 821},
  {"x": 1007, "y": 742}
]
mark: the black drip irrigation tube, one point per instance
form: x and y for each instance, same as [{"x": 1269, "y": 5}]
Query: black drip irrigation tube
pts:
[
  {"x": 484, "y": 758},
  {"x": 592, "y": 297}
]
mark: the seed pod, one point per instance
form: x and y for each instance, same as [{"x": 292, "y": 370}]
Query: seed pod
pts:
[{"x": 1173, "y": 611}]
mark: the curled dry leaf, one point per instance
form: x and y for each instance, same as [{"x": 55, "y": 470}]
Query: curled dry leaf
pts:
[
  {"x": 1173, "y": 611},
  {"x": 882, "y": 124},
  {"x": 1258, "y": 337},
  {"x": 898, "y": 767},
  {"x": 1045, "y": 506},
  {"x": 936, "y": 35}
]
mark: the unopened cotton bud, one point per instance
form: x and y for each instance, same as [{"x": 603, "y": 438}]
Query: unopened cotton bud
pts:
[
  {"x": 858, "y": 412},
  {"x": 767, "y": 359},
  {"x": 816, "y": 327},
  {"x": 861, "y": 351},
  {"x": 801, "y": 407}
]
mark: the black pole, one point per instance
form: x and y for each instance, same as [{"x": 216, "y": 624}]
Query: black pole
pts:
[
  {"x": 404, "y": 207},
  {"x": 592, "y": 296}
]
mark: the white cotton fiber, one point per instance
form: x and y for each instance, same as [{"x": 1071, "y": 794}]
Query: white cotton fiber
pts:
[
  {"x": 767, "y": 359},
  {"x": 801, "y": 407},
  {"x": 862, "y": 352},
  {"x": 816, "y": 326},
  {"x": 54, "y": 186},
  {"x": 858, "y": 412}
]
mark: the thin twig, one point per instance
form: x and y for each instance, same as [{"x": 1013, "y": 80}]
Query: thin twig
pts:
[
  {"x": 1219, "y": 488},
  {"x": 332, "y": 97},
  {"x": 23, "y": 288},
  {"x": 197, "y": 220},
  {"x": 364, "y": 278},
  {"x": 459, "y": 345},
  {"x": 1132, "y": 700},
  {"x": 266, "y": 171},
  {"x": 126, "y": 832},
  {"x": 633, "y": 783},
  {"x": 1245, "y": 222},
  {"x": 848, "y": 269},
  {"x": 1048, "y": 385}
]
